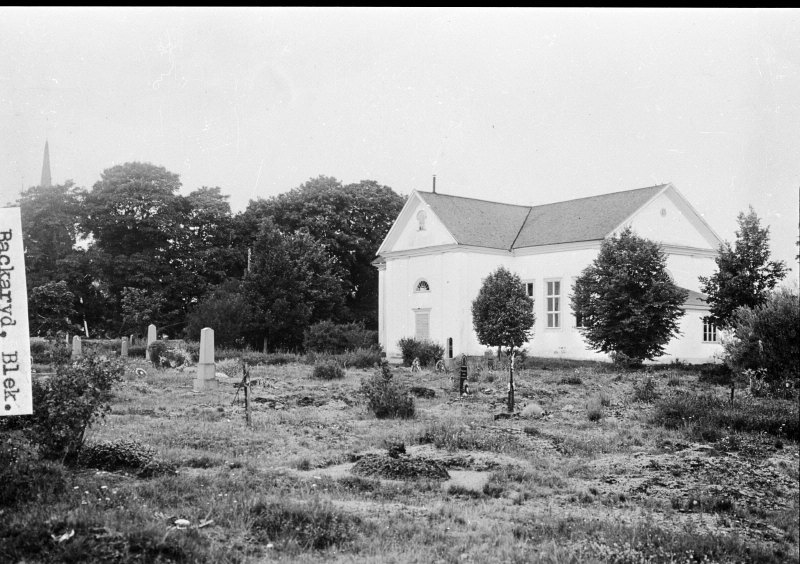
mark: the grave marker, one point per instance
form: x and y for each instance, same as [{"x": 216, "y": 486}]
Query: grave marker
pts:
[
  {"x": 462, "y": 377},
  {"x": 206, "y": 369},
  {"x": 77, "y": 349},
  {"x": 124, "y": 352},
  {"x": 151, "y": 336}
]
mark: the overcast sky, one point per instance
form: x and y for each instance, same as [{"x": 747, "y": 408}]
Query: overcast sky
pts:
[{"x": 525, "y": 106}]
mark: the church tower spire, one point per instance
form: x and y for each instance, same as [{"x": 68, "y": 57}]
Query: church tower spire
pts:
[{"x": 46, "y": 182}]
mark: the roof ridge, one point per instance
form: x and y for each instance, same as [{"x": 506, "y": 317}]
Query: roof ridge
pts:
[
  {"x": 602, "y": 195},
  {"x": 473, "y": 199},
  {"x": 542, "y": 205}
]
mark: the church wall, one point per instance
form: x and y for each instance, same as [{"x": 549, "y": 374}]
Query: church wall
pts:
[{"x": 455, "y": 278}]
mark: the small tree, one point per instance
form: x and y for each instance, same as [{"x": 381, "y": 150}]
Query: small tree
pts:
[
  {"x": 52, "y": 309},
  {"x": 502, "y": 315},
  {"x": 745, "y": 275},
  {"x": 628, "y": 303}
]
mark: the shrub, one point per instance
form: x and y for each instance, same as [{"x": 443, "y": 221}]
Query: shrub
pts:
[
  {"x": 706, "y": 416},
  {"x": 137, "y": 351},
  {"x": 158, "y": 351},
  {"x": 594, "y": 411},
  {"x": 328, "y": 371},
  {"x": 768, "y": 337},
  {"x": 123, "y": 455},
  {"x": 67, "y": 403},
  {"x": 572, "y": 379},
  {"x": 645, "y": 390},
  {"x": 361, "y": 358},
  {"x": 426, "y": 351},
  {"x": 385, "y": 397},
  {"x": 315, "y": 525},
  {"x": 50, "y": 352},
  {"x": 336, "y": 338}
]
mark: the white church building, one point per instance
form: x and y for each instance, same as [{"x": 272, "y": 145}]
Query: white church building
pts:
[{"x": 432, "y": 263}]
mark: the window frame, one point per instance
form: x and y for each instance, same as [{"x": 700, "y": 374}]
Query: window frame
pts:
[
  {"x": 419, "y": 282},
  {"x": 709, "y": 330},
  {"x": 426, "y": 311},
  {"x": 558, "y": 311}
]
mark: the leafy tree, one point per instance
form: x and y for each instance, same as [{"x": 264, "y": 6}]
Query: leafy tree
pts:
[
  {"x": 745, "y": 275},
  {"x": 140, "y": 308},
  {"x": 50, "y": 219},
  {"x": 229, "y": 311},
  {"x": 146, "y": 236},
  {"x": 52, "y": 309},
  {"x": 629, "y": 304},
  {"x": 133, "y": 208},
  {"x": 502, "y": 315},
  {"x": 767, "y": 337},
  {"x": 293, "y": 282},
  {"x": 349, "y": 221}
]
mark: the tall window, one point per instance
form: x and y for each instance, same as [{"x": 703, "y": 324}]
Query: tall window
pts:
[
  {"x": 422, "y": 323},
  {"x": 450, "y": 347},
  {"x": 553, "y": 303},
  {"x": 709, "y": 331}
]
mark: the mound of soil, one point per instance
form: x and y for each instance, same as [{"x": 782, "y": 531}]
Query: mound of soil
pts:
[{"x": 400, "y": 468}]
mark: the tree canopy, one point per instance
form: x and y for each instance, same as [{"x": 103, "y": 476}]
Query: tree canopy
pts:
[
  {"x": 349, "y": 221},
  {"x": 745, "y": 275},
  {"x": 134, "y": 250},
  {"x": 502, "y": 314},
  {"x": 627, "y": 301}
]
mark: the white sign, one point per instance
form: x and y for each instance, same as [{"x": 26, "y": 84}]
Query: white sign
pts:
[{"x": 15, "y": 349}]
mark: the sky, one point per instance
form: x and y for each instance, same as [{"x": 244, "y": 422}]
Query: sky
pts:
[{"x": 524, "y": 106}]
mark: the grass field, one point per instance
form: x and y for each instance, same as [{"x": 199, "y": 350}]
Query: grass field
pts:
[{"x": 610, "y": 469}]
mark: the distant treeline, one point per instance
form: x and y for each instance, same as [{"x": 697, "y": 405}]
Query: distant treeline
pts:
[{"x": 133, "y": 251}]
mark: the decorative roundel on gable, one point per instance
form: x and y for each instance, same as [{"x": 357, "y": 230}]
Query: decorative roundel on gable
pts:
[
  {"x": 421, "y": 217},
  {"x": 422, "y": 286}
]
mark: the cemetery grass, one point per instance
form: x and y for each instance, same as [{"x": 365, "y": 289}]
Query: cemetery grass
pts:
[{"x": 562, "y": 486}]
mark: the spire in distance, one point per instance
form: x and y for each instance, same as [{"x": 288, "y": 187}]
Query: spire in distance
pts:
[{"x": 46, "y": 181}]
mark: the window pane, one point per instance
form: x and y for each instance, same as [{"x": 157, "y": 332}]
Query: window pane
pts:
[
  {"x": 557, "y": 286},
  {"x": 556, "y": 322}
]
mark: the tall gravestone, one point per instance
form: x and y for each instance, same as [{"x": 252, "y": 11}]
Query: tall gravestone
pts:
[
  {"x": 76, "y": 347},
  {"x": 132, "y": 342},
  {"x": 206, "y": 369},
  {"x": 151, "y": 336},
  {"x": 124, "y": 352}
]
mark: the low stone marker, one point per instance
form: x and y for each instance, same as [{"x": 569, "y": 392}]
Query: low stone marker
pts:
[
  {"x": 76, "y": 347},
  {"x": 124, "y": 352},
  {"x": 151, "y": 336},
  {"x": 206, "y": 369}
]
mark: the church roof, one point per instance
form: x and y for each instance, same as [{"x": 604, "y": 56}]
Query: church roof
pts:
[
  {"x": 478, "y": 223},
  {"x": 505, "y": 226}
]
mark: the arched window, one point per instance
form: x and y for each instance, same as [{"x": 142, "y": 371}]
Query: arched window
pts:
[{"x": 422, "y": 286}]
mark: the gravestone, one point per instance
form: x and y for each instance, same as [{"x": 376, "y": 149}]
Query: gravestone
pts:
[
  {"x": 124, "y": 353},
  {"x": 151, "y": 336},
  {"x": 462, "y": 380},
  {"x": 132, "y": 342},
  {"x": 206, "y": 369},
  {"x": 76, "y": 347}
]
